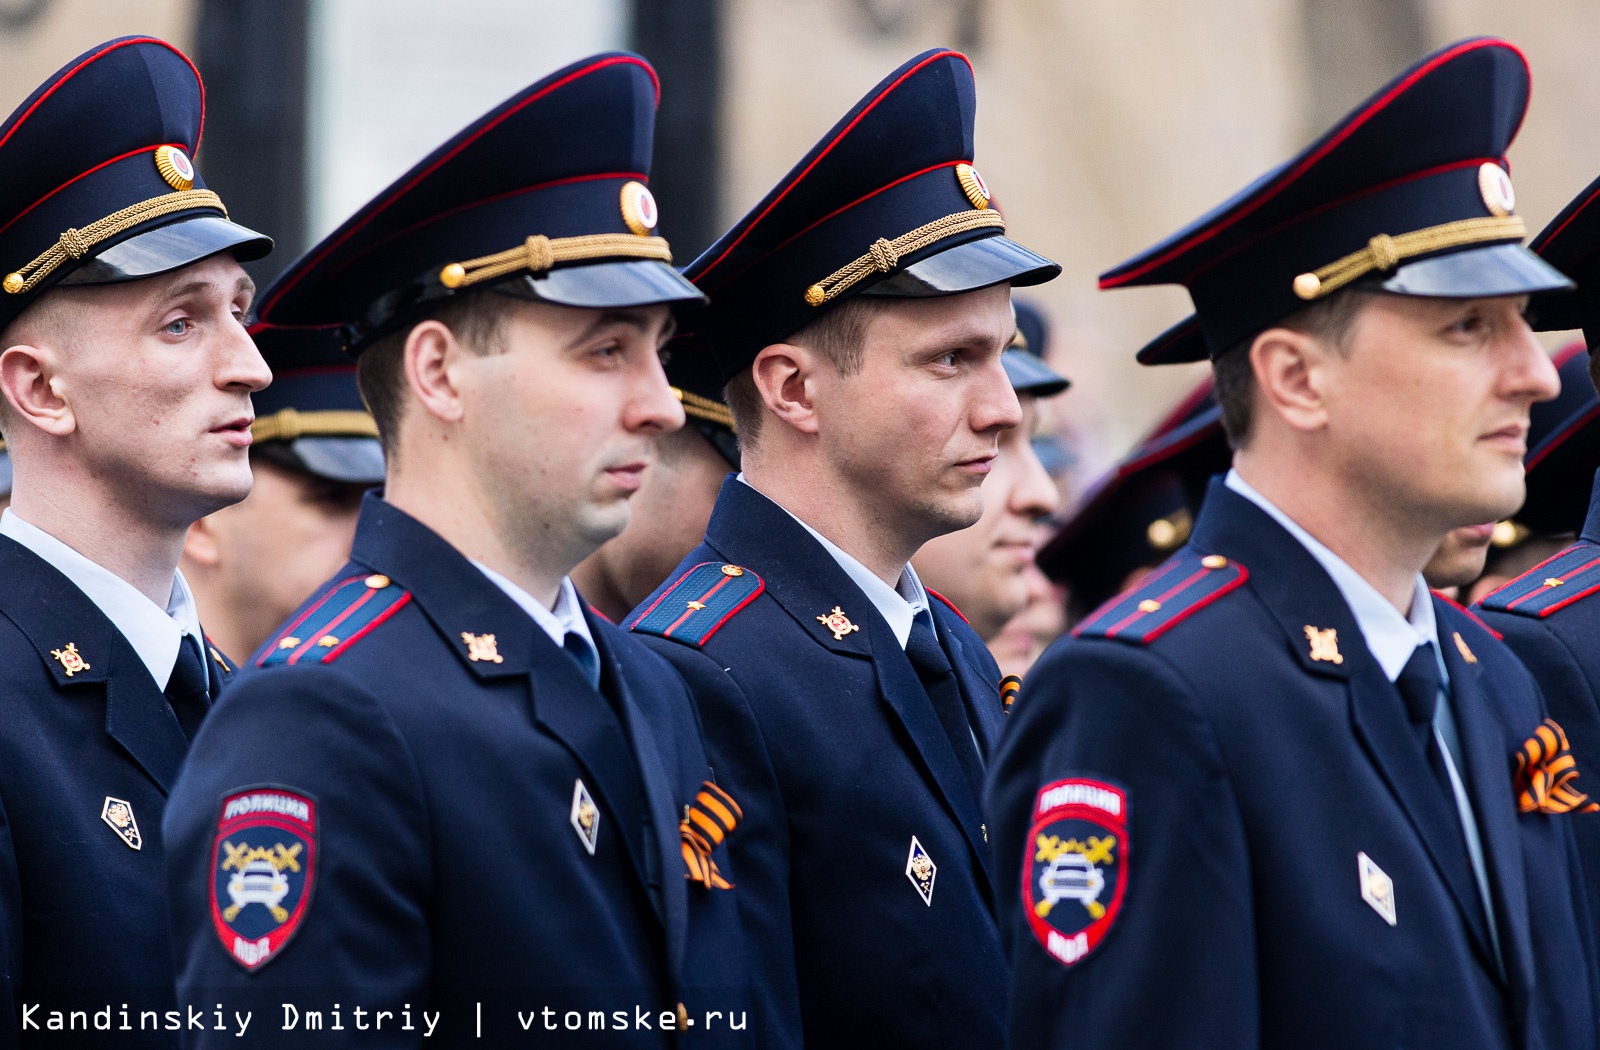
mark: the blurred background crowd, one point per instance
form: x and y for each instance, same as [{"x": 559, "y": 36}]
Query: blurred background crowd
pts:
[{"x": 1102, "y": 125}]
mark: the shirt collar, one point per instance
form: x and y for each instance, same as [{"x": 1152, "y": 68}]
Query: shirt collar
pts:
[
  {"x": 1390, "y": 637},
  {"x": 567, "y": 616},
  {"x": 898, "y": 605},
  {"x": 155, "y": 633}
]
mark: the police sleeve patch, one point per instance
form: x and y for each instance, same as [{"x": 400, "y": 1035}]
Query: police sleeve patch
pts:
[
  {"x": 1076, "y": 867},
  {"x": 1551, "y": 585},
  {"x": 699, "y": 602},
  {"x": 263, "y": 864},
  {"x": 1182, "y": 586}
]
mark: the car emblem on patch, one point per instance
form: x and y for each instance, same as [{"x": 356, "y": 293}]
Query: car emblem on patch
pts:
[
  {"x": 118, "y": 816},
  {"x": 921, "y": 870},
  {"x": 263, "y": 864},
  {"x": 1076, "y": 865},
  {"x": 585, "y": 817}
]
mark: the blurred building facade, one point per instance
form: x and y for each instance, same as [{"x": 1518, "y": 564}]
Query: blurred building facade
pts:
[{"x": 1102, "y": 124}]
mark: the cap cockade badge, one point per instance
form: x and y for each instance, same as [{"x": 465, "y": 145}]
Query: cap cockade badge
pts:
[
  {"x": 973, "y": 186},
  {"x": 175, "y": 166},
  {"x": 118, "y": 816},
  {"x": 838, "y": 623},
  {"x": 639, "y": 208},
  {"x": 72, "y": 661},
  {"x": 1495, "y": 185}
]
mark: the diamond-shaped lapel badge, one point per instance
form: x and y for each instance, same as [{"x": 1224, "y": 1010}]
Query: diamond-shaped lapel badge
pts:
[
  {"x": 585, "y": 817},
  {"x": 921, "y": 869},
  {"x": 118, "y": 816},
  {"x": 1377, "y": 889}
]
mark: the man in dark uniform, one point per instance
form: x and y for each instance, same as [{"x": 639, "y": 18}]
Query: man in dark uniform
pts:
[
  {"x": 672, "y": 507},
  {"x": 1270, "y": 797},
  {"x": 314, "y": 453},
  {"x": 445, "y": 785},
  {"x": 1548, "y": 614},
  {"x": 127, "y": 376},
  {"x": 859, "y": 314}
]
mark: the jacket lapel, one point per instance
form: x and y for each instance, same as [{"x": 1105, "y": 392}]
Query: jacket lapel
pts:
[
  {"x": 1300, "y": 595},
  {"x": 659, "y": 798},
  {"x": 749, "y": 529},
  {"x": 1488, "y": 783},
  {"x": 53, "y": 613}
]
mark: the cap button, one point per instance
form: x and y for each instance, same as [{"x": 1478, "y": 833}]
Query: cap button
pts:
[{"x": 1307, "y": 285}]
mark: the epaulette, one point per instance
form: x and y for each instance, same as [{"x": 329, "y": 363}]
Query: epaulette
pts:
[
  {"x": 699, "y": 602},
  {"x": 935, "y": 594},
  {"x": 1468, "y": 613},
  {"x": 1552, "y": 584},
  {"x": 333, "y": 623},
  {"x": 1182, "y": 586}
]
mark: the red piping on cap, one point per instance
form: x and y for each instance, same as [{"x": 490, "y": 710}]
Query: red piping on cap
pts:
[
  {"x": 868, "y": 108},
  {"x": 101, "y": 54},
  {"x": 91, "y": 171},
  {"x": 1117, "y": 280},
  {"x": 401, "y": 191}
]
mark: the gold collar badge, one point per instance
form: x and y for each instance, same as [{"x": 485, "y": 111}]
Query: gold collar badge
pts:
[
  {"x": 1324, "y": 644},
  {"x": 838, "y": 623},
  {"x": 71, "y": 660},
  {"x": 482, "y": 648}
]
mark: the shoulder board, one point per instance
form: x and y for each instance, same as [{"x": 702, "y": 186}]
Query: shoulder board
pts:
[
  {"x": 699, "y": 602},
  {"x": 1468, "y": 613},
  {"x": 1552, "y": 584},
  {"x": 329, "y": 626},
  {"x": 1182, "y": 586},
  {"x": 952, "y": 605}
]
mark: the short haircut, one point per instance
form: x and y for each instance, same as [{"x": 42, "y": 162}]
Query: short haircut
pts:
[
  {"x": 1329, "y": 321},
  {"x": 837, "y": 335},
  {"x": 478, "y": 319}
]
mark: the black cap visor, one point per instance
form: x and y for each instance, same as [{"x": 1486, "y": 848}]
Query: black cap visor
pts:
[
  {"x": 350, "y": 460},
  {"x": 597, "y": 286},
  {"x": 1029, "y": 375},
  {"x": 966, "y": 268},
  {"x": 168, "y": 248},
  {"x": 1476, "y": 273}
]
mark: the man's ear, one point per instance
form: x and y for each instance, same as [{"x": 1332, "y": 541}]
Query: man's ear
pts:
[
  {"x": 430, "y": 352},
  {"x": 786, "y": 377},
  {"x": 34, "y": 390},
  {"x": 1289, "y": 370},
  {"x": 201, "y": 544}
]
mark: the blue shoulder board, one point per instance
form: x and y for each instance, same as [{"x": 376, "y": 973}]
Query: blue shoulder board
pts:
[
  {"x": 1182, "y": 586},
  {"x": 699, "y": 602},
  {"x": 1550, "y": 585},
  {"x": 329, "y": 626}
]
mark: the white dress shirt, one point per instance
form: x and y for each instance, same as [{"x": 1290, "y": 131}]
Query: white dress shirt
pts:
[
  {"x": 898, "y": 605},
  {"x": 155, "y": 633},
  {"x": 566, "y": 616},
  {"x": 1392, "y": 638}
]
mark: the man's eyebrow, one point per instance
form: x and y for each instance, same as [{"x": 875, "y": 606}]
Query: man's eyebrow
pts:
[{"x": 633, "y": 318}]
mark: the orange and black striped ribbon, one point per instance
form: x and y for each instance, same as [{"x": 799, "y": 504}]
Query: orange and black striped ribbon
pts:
[
  {"x": 1546, "y": 772},
  {"x": 1010, "y": 685},
  {"x": 707, "y": 821}
]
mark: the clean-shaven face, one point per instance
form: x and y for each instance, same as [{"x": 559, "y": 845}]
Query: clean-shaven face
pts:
[{"x": 561, "y": 425}]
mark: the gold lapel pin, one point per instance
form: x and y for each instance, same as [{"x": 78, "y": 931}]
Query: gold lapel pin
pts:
[
  {"x": 1461, "y": 646},
  {"x": 71, "y": 660},
  {"x": 1324, "y": 644},
  {"x": 482, "y": 647},
  {"x": 838, "y": 623}
]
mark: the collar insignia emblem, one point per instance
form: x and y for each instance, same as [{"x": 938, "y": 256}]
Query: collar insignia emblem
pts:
[
  {"x": 1461, "y": 645},
  {"x": 1324, "y": 644},
  {"x": 71, "y": 660},
  {"x": 118, "y": 816},
  {"x": 1377, "y": 888},
  {"x": 483, "y": 648},
  {"x": 921, "y": 870},
  {"x": 838, "y": 623},
  {"x": 585, "y": 817}
]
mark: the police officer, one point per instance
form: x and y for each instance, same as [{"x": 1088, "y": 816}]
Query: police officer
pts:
[
  {"x": 314, "y": 453},
  {"x": 859, "y": 313},
  {"x": 982, "y": 569},
  {"x": 444, "y": 785},
  {"x": 1548, "y": 613},
  {"x": 127, "y": 376},
  {"x": 1270, "y": 797},
  {"x": 672, "y": 507}
]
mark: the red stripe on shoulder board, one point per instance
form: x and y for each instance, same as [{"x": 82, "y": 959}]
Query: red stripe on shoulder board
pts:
[
  {"x": 1232, "y": 585},
  {"x": 1474, "y": 617},
  {"x": 948, "y": 602}
]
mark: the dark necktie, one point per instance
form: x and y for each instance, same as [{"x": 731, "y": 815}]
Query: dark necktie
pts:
[
  {"x": 1419, "y": 684},
  {"x": 583, "y": 655},
  {"x": 188, "y": 690},
  {"x": 939, "y": 681}
]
